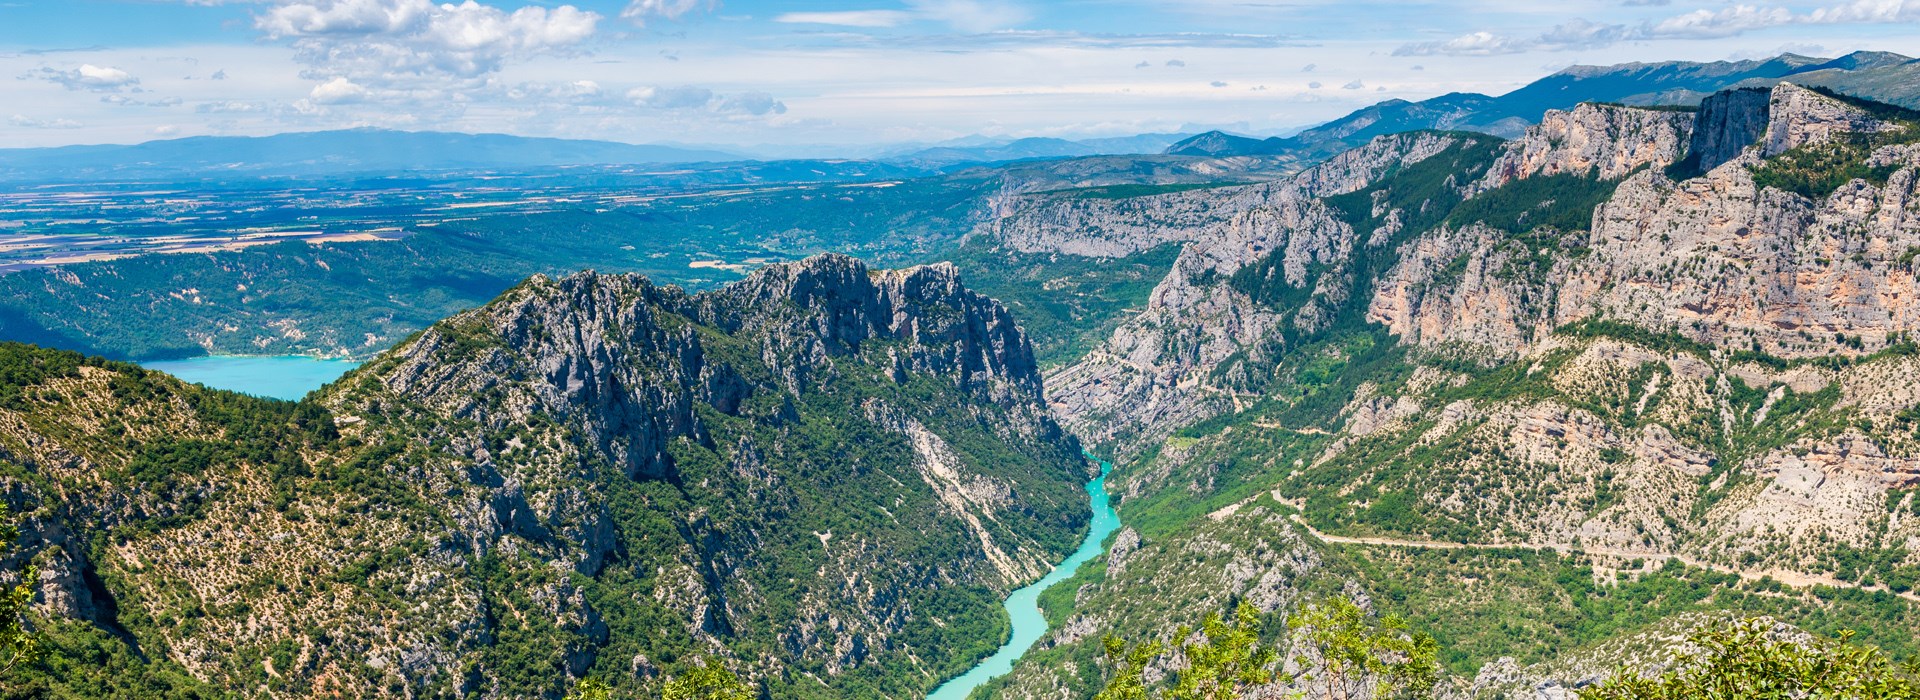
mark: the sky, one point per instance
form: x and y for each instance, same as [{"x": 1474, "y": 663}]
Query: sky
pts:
[{"x": 775, "y": 76}]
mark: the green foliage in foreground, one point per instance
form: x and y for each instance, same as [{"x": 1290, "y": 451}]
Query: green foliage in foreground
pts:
[
  {"x": 1748, "y": 661},
  {"x": 1351, "y": 649},
  {"x": 707, "y": 681},
  {"x": 18, "y": 644},
  {"x": 1355, "y": 649}
]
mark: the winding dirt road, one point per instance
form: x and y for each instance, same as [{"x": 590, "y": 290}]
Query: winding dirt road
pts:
[{"x": 1790, "y": 578}]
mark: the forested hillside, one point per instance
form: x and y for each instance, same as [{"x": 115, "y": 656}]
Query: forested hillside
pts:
[{"x": 821, "y": 478}]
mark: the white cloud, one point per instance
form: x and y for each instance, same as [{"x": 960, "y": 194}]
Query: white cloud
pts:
[
  {"x": 1726, "y": 22},
  {"x": 671, "y": 97},
  {"x": 1868, "y": 11},
  {"x": 972, "y": 15},
  {"x": 574, "y": 92},
  {"x": 27, "y": 122},
  {"x": 1579, "y": 34},
  {"x": 638, "y": 11},
  {"x": 850, "y": 18},
  {"x": 1355, "y": 85},
  {"x": 374, "y": 41},
  {"x": 124, "y": 101},
  {"x": 338, "y": 91},
  {"x": 88, "y": 77},
  {"x": 750, "y": 103},
  {"x": 693, "y": 98},
  {"x": 229, "y": 107}
]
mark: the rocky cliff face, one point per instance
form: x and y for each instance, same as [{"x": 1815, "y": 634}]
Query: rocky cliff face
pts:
[
  {"x": 1603, "y": 141},
  {"x": 1152, "y": 374},
  {"x": 1729, "y": 122},
  {"x": 1568, "y": 344},
  {"x": 823, "y": 476},
  {"x": 1720, "y": 258}
]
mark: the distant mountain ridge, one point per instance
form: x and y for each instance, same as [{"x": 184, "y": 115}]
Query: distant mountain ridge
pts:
[
  {"x": 981, "y": 150},
  {"x": 329, "y": 153},
  {"x": 1878, "y": 75}
]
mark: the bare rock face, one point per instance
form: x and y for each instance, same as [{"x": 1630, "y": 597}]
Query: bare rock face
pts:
[
  {"x": 1797, "y": 116},
  {"x": 1054, "y": 223},
  {"x": 1729, "y": 122},
  {"x": 1150, "y": 376},
  {"x": 1460, "y": 286},
  {"x": 1605, "y": 141},
  {"x": 1717, "y": 258}
]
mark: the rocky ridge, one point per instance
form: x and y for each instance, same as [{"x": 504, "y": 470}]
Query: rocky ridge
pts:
[
  {"x": 1719, "y": 258},
  {"x": 592, "y": 474},
  {"x": 1703, "y": 358},
  {"x": 1149, "y": 377}
]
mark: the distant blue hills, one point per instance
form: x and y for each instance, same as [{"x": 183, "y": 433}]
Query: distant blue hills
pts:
[
  {"x": 1877, "y": 75},
  {"x": 319, "y": 153}
]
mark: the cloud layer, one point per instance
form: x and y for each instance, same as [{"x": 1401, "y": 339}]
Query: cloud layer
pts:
[
  {"x": 388, "y": 40},
  {"x": 1580, "y": 34}
]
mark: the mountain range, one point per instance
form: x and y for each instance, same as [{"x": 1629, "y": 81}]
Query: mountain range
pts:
[
  {"x": 1882, "y": 76},
  {"x": 320, "y": 153},
  {"x": 970, "y": 151},
  {"x": 1543, "y": 410}
]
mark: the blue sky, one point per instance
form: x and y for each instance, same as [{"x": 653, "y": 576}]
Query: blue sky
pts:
[{"x": 833, "y": 74}]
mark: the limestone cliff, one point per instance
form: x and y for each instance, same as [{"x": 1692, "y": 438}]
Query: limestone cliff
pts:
[
  {"x": 1152, "y": 375},
  {"x": 1720, "y": 258},
  {"x": 1604, "y": 141}
]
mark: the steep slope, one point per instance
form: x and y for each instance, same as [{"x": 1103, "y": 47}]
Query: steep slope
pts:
[
  {"x": 823, "y": 477},
  {"x": 1636, "y": 362},
  {"x": 1722, "y": 258},
  {"x": 1523, "y": 434},
  {"x": 1158, "y": 371}
]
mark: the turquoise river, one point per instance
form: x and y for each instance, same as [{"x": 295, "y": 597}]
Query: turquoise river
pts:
[{"x": 1023, "y": 605}]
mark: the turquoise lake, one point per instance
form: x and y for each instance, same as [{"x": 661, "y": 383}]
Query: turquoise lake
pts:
[
  {"x": 273, "y": 376},
  {"x": 1024, "y": 605}
]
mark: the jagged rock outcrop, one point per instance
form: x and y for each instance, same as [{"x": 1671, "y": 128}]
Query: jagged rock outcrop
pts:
[
  {"x": 787, "y": 475},
  {"x": 1604, "y": 141},
  {"x": 1718, "y": 258},
  {"x": 1729, "y": 122},
  {"x": 1150, "y": 376},
  {"x": 1797, "y": 116},
  {"x": 1097, "y": 227}
]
